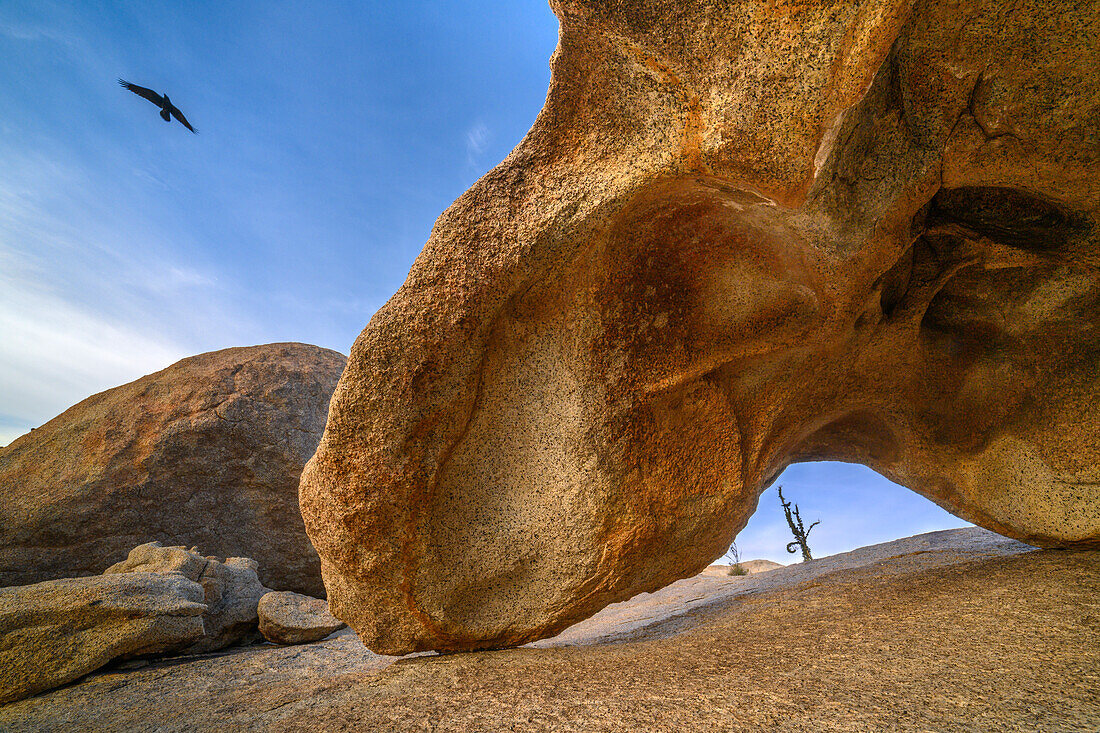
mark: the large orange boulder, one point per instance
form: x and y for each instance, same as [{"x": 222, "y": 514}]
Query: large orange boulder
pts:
[
  {"x": 738, "y": 235},
  {"x": 207, "y": 452}
]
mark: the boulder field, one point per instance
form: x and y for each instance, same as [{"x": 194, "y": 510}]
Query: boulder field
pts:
[
  {"x": 750, "y": 567},
  {"x": 160, "y": 600},
  {"x": 207, "y": 452},
  {"x": 738, "y": 235}
]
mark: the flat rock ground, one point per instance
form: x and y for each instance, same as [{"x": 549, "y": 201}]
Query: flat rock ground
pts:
[{"x": 954, "y": 630}]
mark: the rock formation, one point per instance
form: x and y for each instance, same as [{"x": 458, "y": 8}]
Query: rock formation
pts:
[
  {"x": 960, "y": 630},
  {"x": 204, "y": 453},
  {"x": 291, "y": 618},
  {"x": 738, "y": 235},
  {"x": 231, "y": 589},
  {"x": 751, "y": 567},
  {"x": 58, "y": 630}
]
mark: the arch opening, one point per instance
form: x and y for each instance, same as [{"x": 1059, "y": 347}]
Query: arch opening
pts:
[{"x": 856, "y": 505}]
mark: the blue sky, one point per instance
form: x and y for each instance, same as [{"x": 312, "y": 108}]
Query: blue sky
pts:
[{"x": 331, "y": 137}]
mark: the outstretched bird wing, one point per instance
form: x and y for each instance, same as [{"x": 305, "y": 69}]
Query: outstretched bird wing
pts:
[
  {"x": 142, "y": 92},
  {"x": 179, "y": 116}
]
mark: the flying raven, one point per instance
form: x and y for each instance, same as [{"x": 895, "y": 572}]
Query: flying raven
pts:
[{"x": 165, "y": 104}]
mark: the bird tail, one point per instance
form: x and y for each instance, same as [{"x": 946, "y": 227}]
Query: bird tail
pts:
[{"x": 165, "y": 116}]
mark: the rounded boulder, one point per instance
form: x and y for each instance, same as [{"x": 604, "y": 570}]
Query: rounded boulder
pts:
[{"x": 207, "y": 452}]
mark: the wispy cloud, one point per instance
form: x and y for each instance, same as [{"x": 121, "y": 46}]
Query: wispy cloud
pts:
[
  {"x": 477, "y": 141},
  {"x": 176, "y": 279},
  {"x": 22, "y": 31},
  {"x": 88, "y": 300},
  {"x": 55, "y": 353}
]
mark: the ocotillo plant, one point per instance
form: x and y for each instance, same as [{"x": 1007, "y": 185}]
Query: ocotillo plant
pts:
[{"x": 795, "y": 523}]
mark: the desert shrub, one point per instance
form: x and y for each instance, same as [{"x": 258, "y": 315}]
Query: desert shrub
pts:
[{"x": 734, "y": 557}]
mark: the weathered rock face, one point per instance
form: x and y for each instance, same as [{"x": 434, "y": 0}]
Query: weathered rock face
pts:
[
  {"x": 205, "y": 453},
  {"x": 56, "y": 631},
  {"x": 231, "y": 589},
  {"x": 737, "y": 236},
  {"x": 291, "y": 618}
]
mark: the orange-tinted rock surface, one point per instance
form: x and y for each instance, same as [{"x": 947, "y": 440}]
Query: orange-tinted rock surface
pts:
[
  {"x": 738, "y": 235},
  {"x": 207, "y": 452}
]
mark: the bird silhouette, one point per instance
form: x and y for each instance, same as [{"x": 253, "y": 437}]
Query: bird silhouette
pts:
[{"x": 167, "y": 109}]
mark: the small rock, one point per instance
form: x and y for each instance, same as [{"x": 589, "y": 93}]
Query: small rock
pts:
[
  {"x": 291, "y": 618},
  {"x": 56, "y": 631},
  {"x": 232, "y": 590}
]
